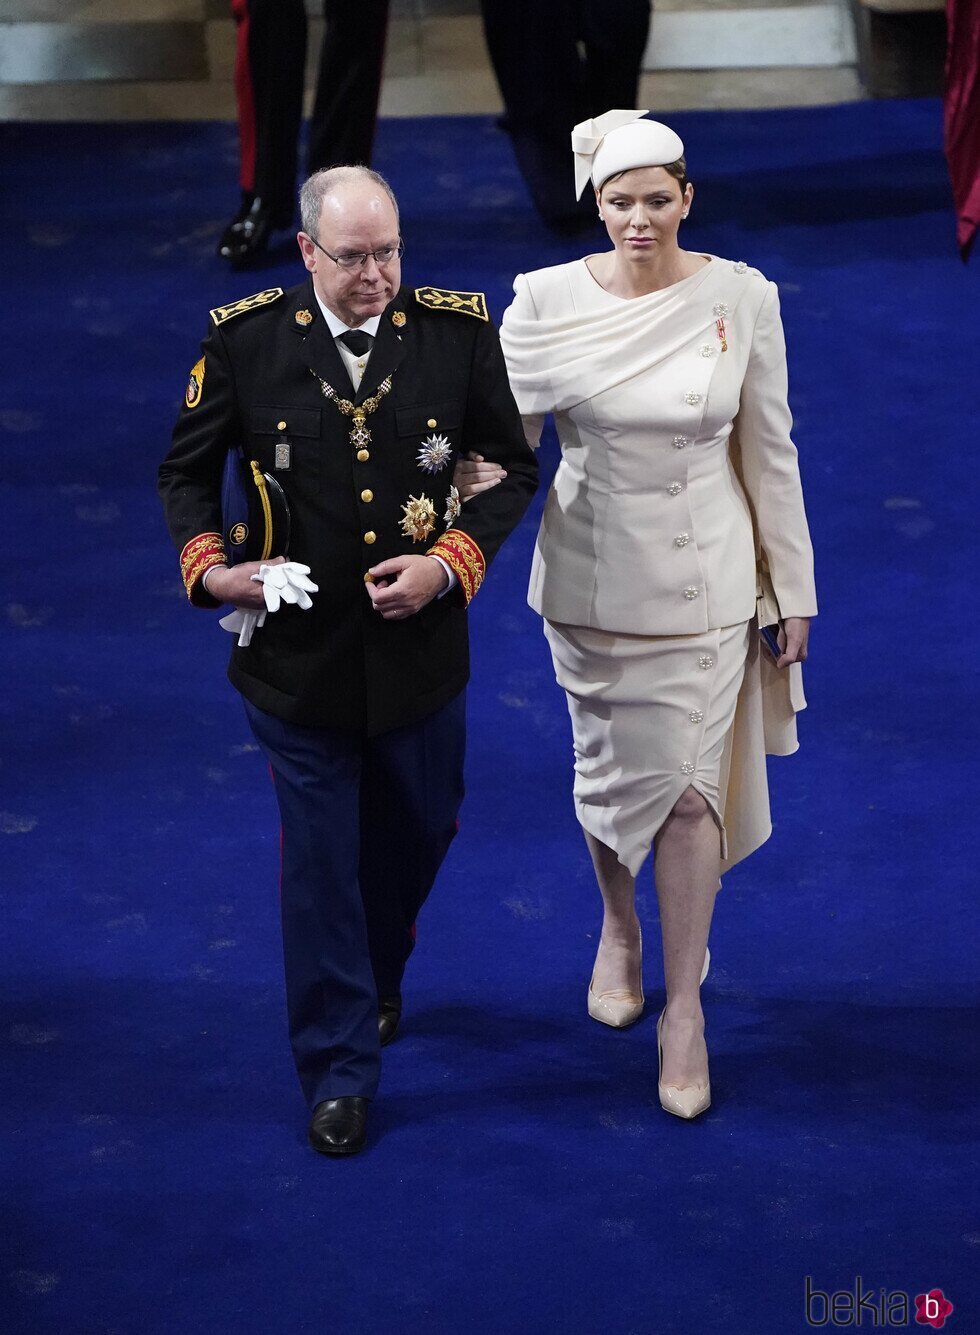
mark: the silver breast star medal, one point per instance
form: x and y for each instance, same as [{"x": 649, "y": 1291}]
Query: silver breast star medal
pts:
[
  {"x": 434, "y": 454},
  {"x": 454, "y": 507},
  {"x": 360, "y": 436},
  {"x": 420, "y": 518}
]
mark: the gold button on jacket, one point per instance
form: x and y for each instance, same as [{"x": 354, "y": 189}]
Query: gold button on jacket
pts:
[{"x": 370, "y": 537}]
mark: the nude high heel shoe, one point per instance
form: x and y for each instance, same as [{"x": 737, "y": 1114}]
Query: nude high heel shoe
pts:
[
  {"x": 688, "y": 1102},
  {"x": 619, "y": 1007}
]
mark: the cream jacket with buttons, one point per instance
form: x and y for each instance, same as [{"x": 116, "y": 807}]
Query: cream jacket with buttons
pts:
[{"x": 654, "y": 519}]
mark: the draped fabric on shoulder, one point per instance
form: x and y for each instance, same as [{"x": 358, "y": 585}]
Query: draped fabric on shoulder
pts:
[{"x": 556, "y": 363}]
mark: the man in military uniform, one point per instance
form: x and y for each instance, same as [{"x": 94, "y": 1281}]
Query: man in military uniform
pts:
[{"x": 356, "y": 396}]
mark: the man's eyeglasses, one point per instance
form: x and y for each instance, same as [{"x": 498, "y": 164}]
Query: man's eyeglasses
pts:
[{"x": 357, "y": 261}]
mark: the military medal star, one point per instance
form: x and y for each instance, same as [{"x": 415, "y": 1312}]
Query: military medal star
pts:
[
  {"x": 420, "y": 518},
  {"x": 434, "y": 454},
  {"x": 454, "y": 507}
]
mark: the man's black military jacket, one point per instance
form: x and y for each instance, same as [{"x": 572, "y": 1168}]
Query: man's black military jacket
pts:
[{"x": 258, "y": 384}]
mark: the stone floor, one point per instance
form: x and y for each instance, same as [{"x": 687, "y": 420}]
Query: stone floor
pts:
[{"x": 173, "y": 59}]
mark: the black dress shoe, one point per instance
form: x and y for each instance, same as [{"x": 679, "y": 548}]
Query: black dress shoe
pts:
[
  {"x": 248, "y": 233},
  {"x": 389, "y": 1014},
  {"x": 339, "y": 1126}
]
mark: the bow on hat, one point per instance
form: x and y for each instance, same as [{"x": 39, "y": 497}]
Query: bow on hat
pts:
[{"x": 589, "y": 134}]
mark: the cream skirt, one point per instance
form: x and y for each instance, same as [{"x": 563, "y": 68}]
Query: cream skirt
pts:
[{"x": 651, "y": 716}]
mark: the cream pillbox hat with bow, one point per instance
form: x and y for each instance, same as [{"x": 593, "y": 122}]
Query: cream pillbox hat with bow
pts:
[{"x": 618, "y": 141}]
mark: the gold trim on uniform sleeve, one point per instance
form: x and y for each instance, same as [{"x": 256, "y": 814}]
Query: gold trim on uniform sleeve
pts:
[
  {"x": 464, "y": 557},
  {"x": 200, "y": 554},
  {"x": 444, "y": 299},
  {"x": 222, "y": 313}
]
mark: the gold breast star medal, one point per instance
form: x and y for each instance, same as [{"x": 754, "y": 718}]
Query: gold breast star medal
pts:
[
  {"x": 420, "y": 518},
  {"x": 435, "y": 453},
  {"x": 454, "y": 507}
]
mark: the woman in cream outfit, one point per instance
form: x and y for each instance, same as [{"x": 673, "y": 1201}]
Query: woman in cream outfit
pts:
[{"x": 675, "y": 520}]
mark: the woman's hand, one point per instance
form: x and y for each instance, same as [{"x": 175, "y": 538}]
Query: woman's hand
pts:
[
  {"x": 473, "y": 474},
  {"x": 793, "y": 636}
]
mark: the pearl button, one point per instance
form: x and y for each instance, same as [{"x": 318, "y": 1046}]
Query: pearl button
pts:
[
  {"x": 679, "y": 442},
  {"x": 370, "y": 537},
  {"x": 363, "y": 456},
  {"x": 367, "y": 495},
  {"x": 705, "y": 662},
  {"x": 706, "y": 350},
  {"x": 690, "y": 593},
  {"x": 692, "y": 398},
  {"x": 280, "y": 426},
  {"x": 696, "y": 716},
  {"x": 682, "y": 539},
  {"x": 687, "y": 767},
  {"x": 741, "y": 267},
  {"x": 432, "y": 423},
  {"x": 720, "y": 310},
  {"x": 674, "y": 489}
]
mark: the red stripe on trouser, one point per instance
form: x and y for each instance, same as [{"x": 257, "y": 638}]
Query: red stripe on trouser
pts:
[{"x": 245, "y": 98}]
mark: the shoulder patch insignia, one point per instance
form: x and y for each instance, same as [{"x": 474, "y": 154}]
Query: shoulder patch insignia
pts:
[
  {"x": 195, "y": 384},
  {"x": 222, "y": 313},
  {"x": 443, "y": 299}
]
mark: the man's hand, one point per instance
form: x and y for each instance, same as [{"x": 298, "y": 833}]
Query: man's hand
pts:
[
  {"x": 233, "y": 584},
  {"x": 793, "y": 636},
  {"x": 473, "y": 474},
  {"x": 404, "y": 584}
]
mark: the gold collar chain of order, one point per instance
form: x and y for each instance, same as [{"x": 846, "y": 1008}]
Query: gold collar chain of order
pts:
[{"x": 360, "y": 436}]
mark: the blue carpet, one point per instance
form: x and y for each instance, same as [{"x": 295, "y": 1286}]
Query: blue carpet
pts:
[{"x": 521, "y": 1177}]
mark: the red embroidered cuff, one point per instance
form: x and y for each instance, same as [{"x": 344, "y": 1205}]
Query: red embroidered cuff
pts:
[
  {"x": 461, "y": 553},
  {"x": 200, "y": 554}
]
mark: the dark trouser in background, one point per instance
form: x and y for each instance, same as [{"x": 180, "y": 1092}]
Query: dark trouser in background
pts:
[
  {"x": 269, "y": 66},
  {"x": 557, "y": 62},
  {"x": 366, "y": 823}
]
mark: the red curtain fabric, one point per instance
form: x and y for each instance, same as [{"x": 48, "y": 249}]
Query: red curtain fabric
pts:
[{"x": 962, "y": 115}]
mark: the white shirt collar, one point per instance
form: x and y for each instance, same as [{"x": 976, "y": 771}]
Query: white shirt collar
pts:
[{"x": 337, "y": 326}]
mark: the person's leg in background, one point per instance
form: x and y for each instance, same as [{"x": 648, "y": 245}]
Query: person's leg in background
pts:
[
  {"x": 348, "y": 88},
  {"x": 614, "y": 34},
  {"x": 533, "y": 45},
  {"x": 270, "y": 58}
]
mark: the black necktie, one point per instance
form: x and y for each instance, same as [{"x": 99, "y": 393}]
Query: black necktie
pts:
[{"x": 358, "y": 342}]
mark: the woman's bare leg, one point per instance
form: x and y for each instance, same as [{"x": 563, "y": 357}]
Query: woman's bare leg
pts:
[
  {"x": 617, "y": 966},
  {"x": 686, "y": 865}
]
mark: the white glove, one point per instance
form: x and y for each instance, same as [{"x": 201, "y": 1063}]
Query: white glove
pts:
[
  {"x": 286, "y": 583},
  {"x": 243, "y": 622}
]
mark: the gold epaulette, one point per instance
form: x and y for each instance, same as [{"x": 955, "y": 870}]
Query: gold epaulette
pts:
[
  {"x": 442, "y": 299},
  {"x": 222, "y": 313}
]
